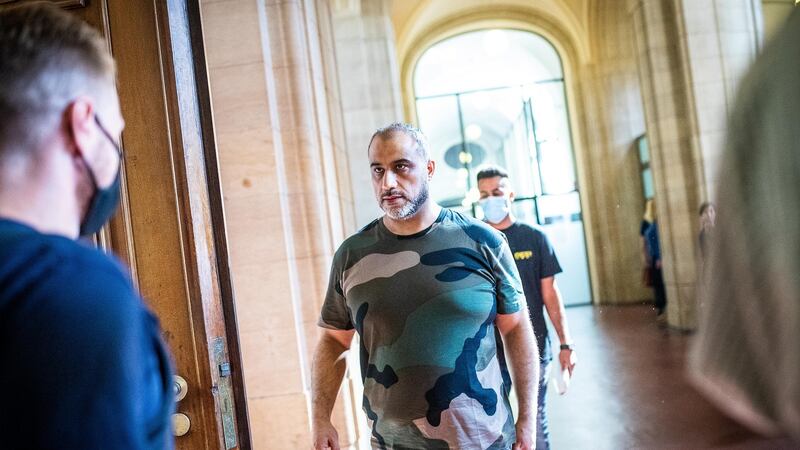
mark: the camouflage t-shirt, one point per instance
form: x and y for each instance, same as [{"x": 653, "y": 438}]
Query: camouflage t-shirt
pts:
[{"x": 424, "y": 307}]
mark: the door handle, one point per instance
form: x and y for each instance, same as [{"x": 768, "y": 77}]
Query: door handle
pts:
[
  {"x": 181, "y": 387},
  {"x": 180, "y": 424},
  {"x": 180, "y": 421}
]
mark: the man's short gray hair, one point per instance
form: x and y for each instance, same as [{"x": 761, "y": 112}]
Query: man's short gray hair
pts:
[
  {"x": 392, "y": 130},
  {"x": 47, "y": 58}
]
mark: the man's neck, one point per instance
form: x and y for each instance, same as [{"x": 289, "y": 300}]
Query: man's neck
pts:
[
  {"x": 505, "y": 223},
  {"x": 44, "y": 208},
  {"x": 424, "y": 218}
]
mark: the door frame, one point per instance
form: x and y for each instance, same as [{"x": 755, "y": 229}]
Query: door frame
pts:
[
  {"x": 193, "y": 21},
  {"x": 201, "y": 197}
]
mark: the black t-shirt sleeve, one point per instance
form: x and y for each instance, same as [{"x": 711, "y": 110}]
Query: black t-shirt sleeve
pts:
[
  {"x": 101, "y": 363},
  {"x": 548, "y": 262}
]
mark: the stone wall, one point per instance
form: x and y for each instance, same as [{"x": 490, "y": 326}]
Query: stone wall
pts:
[
  {"x": 287, "y": 195},
  {"x": 692, "y": 54},
  {"x": 370, "y": 91}
]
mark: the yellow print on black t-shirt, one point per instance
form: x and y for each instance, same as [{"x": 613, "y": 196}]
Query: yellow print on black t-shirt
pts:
[{"x": 526, "y": 254}]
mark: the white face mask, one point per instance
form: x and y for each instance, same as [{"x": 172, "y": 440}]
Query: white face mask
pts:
[{"x": 495, "y": 209}]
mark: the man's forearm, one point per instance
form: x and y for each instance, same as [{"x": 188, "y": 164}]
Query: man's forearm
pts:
[
  {"x": 551, "y": 297},
  {"x": 558, "y": 314},
  {"x": 523, "y": 355},
  {"x": 327, "y": 372}
]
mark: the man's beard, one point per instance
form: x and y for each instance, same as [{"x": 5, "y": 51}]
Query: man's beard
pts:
[{"x": 410, "y": 208}]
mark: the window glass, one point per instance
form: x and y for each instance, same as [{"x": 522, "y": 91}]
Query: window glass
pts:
[{"x": 485, "y": 59}]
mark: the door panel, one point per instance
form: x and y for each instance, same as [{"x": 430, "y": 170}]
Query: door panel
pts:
[
  {"x": 169, "y": 229},
  {"x": 152, "y": 158}
]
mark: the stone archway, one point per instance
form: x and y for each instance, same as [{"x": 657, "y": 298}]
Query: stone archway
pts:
[{"x": 557, "y": 26}]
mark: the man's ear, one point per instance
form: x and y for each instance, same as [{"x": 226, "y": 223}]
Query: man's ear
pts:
[
  {"x": 511, "y": 196},
  {"x": 431, "y": 168},
  {"x": 80, "y": 124}
]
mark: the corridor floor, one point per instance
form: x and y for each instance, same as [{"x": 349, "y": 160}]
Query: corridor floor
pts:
[{"x": 629, "y": 390}]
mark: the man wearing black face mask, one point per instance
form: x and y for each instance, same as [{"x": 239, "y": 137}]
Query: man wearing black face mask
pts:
[{"x": 83, "y": 364}]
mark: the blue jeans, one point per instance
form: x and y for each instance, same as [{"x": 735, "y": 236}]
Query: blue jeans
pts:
[{"x": 542, "y": 433}]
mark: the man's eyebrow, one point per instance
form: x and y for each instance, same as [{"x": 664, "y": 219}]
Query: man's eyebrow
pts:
[{"x": 398, "y": 161}]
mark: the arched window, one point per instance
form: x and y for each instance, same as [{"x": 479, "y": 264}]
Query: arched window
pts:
[{"x": 497, "y": 97}]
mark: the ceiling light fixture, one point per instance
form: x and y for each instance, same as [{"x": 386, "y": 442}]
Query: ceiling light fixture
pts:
[{"x": 473, "y": 132}]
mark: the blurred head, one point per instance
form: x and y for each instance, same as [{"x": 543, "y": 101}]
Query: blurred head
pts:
[
  {"x": 708, "y": 214},
  {"x": 496, "y": 193},
  {"x": 58, "y": 99},
  {"x": 401, "y": 170}
]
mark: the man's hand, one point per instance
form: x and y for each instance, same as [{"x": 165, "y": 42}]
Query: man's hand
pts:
[
  {"x": 522, "y": 353},
  {"x": 568, "y": 359},
  {"x": 325, "y": 436},
  {"x": 558, "y": 316},
  {"x": 526, "y": 435},
  {"x": 327, "y": 372}
]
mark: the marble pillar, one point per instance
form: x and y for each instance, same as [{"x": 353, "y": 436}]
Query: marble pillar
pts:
[
  {"x": 287, "y": 197},
  {"x": 691, "y": 56},
  {"x": 613, "y": 118},
  {"x": 370, "y": 87}
]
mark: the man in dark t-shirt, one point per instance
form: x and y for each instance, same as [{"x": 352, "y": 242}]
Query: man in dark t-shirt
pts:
[
  {"x": 537, "y": 265},
  {"x": 83, "y": 364}
]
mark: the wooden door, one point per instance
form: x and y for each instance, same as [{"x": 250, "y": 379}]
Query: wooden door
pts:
[{"x": 170, "y": 227}]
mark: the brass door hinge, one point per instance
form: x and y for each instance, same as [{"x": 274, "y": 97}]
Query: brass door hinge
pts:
[{"x": 225, "y": 393}]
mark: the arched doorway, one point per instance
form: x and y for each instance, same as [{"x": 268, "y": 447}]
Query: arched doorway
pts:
[{"x": 497, "y": 96}]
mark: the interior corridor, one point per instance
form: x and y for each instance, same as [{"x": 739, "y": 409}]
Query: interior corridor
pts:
[{"x": 629, "y": 390}]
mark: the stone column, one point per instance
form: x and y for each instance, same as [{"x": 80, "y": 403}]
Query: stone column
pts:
[
  {"x": 691, "y": 56},
  {"x": 613, "y": 118},
  {"x": 370, "y": 87},
  {"x": 286, "y": 193}
]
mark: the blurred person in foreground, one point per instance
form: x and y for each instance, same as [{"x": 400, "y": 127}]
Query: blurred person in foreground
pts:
[
  {"x": 83, "y": 365},
  {"x": 746, "y": 356}
]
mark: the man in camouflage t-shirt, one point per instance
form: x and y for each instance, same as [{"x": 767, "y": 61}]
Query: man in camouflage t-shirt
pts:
[{"x": 429, "y": 292}]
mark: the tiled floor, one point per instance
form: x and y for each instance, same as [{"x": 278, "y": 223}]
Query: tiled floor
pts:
[{"x": 629, "y": 390}]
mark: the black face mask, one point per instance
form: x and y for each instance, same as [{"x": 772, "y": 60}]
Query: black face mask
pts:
[{"x": 104, "y": 200}]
